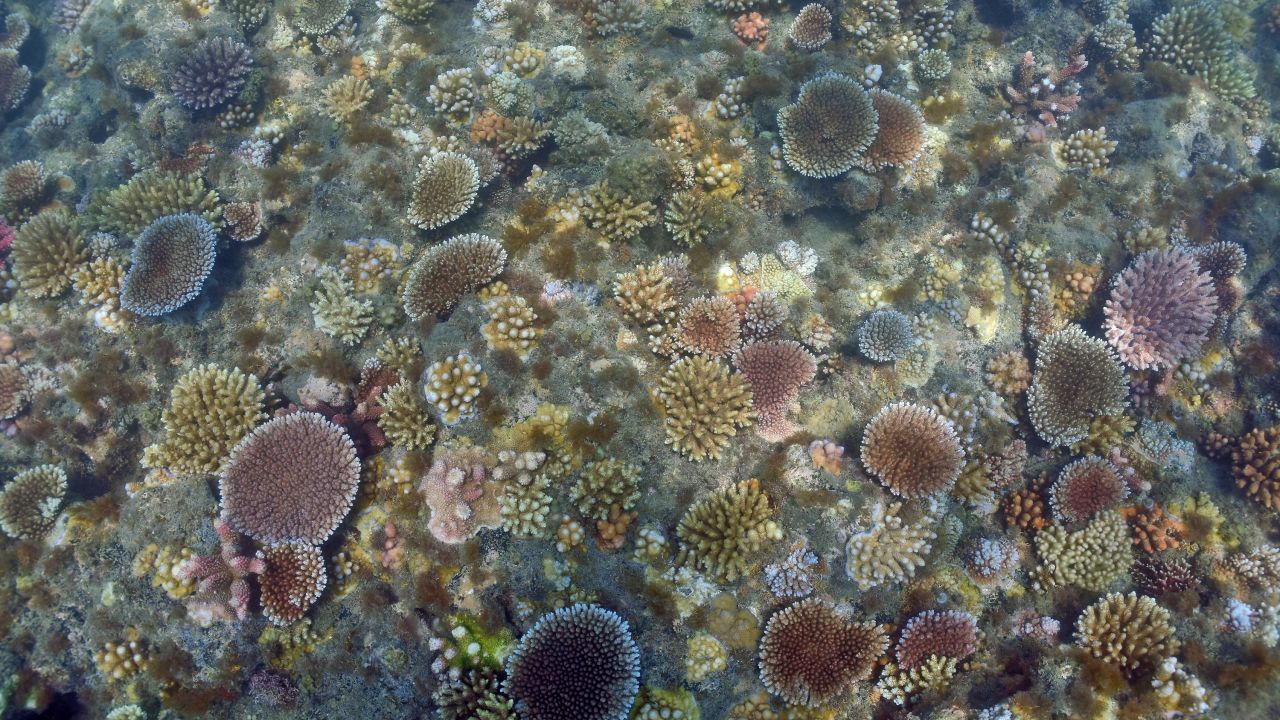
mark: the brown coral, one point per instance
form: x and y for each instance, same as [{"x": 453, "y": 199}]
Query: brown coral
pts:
[
  {"x": 1077, "y": 379},
  {"x": 292, "y": 579},
  {"x": 1086, "y": 486},
  {"x": 1255, "y": 464},
  {"x": 826, "y": 130},
  {"x": 810, "y": 654},
  {"x": 1153, "y": 529},
  {"x": 901, "y": 135},
  {"x": 445, "y": 273},
  {"x": 812, "y": 27},
  {"x": 775, "y": 370},
  {"x": 1129, "y": 632},
  {"x": 444, "y": 189},
  {"x": 292, "y": 479},
  {"x": 709, "y": 326},
  {"x": 912, "y": 450},
  {"x": 946, "y": 633}
]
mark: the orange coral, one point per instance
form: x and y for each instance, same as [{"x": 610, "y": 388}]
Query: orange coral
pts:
[
  {"x": 488, "y": 127},
  {"x": 1152, "y": 528},
  {"x": 752, "y": 30},
  {"x": 611, "y": 532},
  {"x": 1025, "y": 509}
]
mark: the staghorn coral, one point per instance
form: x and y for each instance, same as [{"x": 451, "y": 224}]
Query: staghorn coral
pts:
[
  {"x": 148, "y": 196},
  {"x": 812, "y": 27},
  {"x": 947, "y": 633},
  {"x": 444, "y": 189},
  {"x": 1077, "y": 378},
  {"x": 1255, "y": 465},
  {"x": 1160, "y": 309},
  {"x": 335, "y": 309},
  {"x": 404, "y": 420},
  {"x": 212, "y": 73},
  {"x": 171, "y": 259},
  {"x": 1129, "y": 632},
  {"x": 346, "y": 98},
  {"x": 720, "y": 533},
  {"x": 912, "y": 450},
  {"x": 292, "y": 578},
  {"x": 453, "y": 385},
  {"x": 46, "y": 252},
  {"x": 826, "y": 130},
  {"x": 886, "y": 549},
  {"x": 902, "y": 685},
  {"x": 446, "y": 272},
  {"x": 30, "y": 502},
  {"x": 575, "y": 663},
  {"x": 775, "y": 370},
  {"x": 885, "y": 336},
  {"x": 1085, "y": 487},
  {"x": 900, "y": 136},
  {"x": 291, "y": 479},
  {"x": 1092, "y": 557},
  {"x": 811, "y": 653},
  {"x": 210, "y": 409},
  {"x": 703, "y": 405}
]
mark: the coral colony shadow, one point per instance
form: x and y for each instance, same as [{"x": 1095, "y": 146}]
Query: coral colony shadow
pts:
[{"x": 639, "y": 359}]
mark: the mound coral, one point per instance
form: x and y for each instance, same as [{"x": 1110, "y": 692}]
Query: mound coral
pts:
[
  {"x": 720, "y": 533},
  {"x": 1077, "y": 378},
  {"x": 292, "y": 578},
  {"x": 812, "y": 27},
  {"x": 461, "y": 499},
  {"x": 912, "y": 450},
  {"x": 445, "y": 273},
  {"x": 885, "y": 336},
  {"x": 1129, "y": 632},
  {"x": 703, "y": 405},
  {"x": 1255, "y": 464},
  {"x": 453, "y": 385},
  {"x": 1085, "y": 487},
  {"x": 210, "y": 410},
  {"x": 171, "y": 260},
  {"x": 887, "y": 549},
  {"x": 576, "y": 663},
  {"x": 47, "y": 250},
  {"x": 444, "y": 189},
  {"x": 826, "y": 130},
  {"x": 1160, "y": 309},
  {"x": 29, "y": 504},
  {"x": 810, "y": 653},
  {"x": 775, "y": 370},
  {"x": 946, "y": 633},
  {"x": 901, "y": 132},
  {"x": 292, "y": 479},
  {"x": 709, "y": 326},
  {"x": 212, "y": 73}
]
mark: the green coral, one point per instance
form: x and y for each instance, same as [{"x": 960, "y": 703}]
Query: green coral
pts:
[
  {"x": 210, "y": 410},
  {"x": 404, "y": 420},
  {"x": 46, "y": 253},
  {"x": 336, "y": 310},
  {"x": 721, "y": 533}
]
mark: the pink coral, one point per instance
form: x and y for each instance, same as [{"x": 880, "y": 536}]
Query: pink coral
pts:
[
  {"x": 6, "y": 236},
  {"x": 1160, "y": 310},
  {"x": 752, "y": 30},
  {"x": 946, "y": 633},
  {"x": 775, "y": 370},
  {"x": 827, "y": 455},
  {"x": 1085, "y": 487},
  {"x": 222, "y": 590},
  {"x": 460, "y": 499}
]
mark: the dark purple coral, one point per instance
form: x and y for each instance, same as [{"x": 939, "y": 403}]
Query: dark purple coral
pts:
[{"x": 213, "y": 72}]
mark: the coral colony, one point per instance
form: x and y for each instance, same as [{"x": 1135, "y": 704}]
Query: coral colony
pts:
[{"x": 639, "y": 359}]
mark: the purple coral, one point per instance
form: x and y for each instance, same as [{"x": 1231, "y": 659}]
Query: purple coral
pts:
[
  {"x": 1160, "y": 310},
  {"x": 212, "y": 73},
  {"x": 222, "y": 590},
  {"x": 455, "y": 490}
]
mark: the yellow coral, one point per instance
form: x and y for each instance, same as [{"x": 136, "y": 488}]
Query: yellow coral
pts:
[
  {"x": 511, "y": 325},
  {"x": 453, "y": 386},
  {"x": 210, "y": 410}
]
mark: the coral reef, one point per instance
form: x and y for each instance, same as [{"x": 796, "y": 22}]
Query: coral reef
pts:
[
  {"x": 1129, "y": 632},
  {"x": 1160, "y": 309},
  {"x": 810, "y": 653},
  {"x": 446, "y": 272},
  {"x": 444, "y": 189},
  {"x": 912, "y": 450},
  {"x": 720, "y": 533},
  {"x": 826, "y": 130},
  {"x": 30, "y": 502},
  {"x": 171, "y": 259},
  {"x": 703, "y": 405},
  {"x": 1077, "y": 379},
  {"x": 210, "y": 409}
]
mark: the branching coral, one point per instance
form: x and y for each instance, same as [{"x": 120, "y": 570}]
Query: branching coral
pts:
[
  {"x": 1085, "y": 487},
  {"x": 1091, "y": 558},
  {"x": 336, "y": 310},
  {"x": 1255, "y": 464},
  {"x": 47, "y": 250},
  {"x": 704, "y": 406},
  {"x": 886, "y": 549},
  {"x": 291, "y": 479},
  {"x": 171, "y": 259},
  {"x": 212, "y": 73},
  {"x": 827, "y": 129},
  {"x": 811, "y": 654},
  {"x": 1130, "y": 632},
  {"x": 604, "y": 484},
  {"x": 446, "y": 272},
  {"x": 511, "y": 326},
  {"x": 1077, "y": 378},
  {"x": 346, "y": 98},
  {"x": 912, "y": 449},
  {"x": 453, "y": 385},
  {"x": 775, "y": 370},
  {"x": 1160, "y": 309},
  {"x": 291, "y": 580},
  {"x": 150, "y": 195},
  {"x": 721, "y": 533},
  {"x": 404, "y": 420},
  {"x": 901, "y": 132},
  {"x": 30, "y": 502},
  {"x": 444, "y": 189},
  {"x": 885, "y": 335},
  {"x": 210, "y": 409}
]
